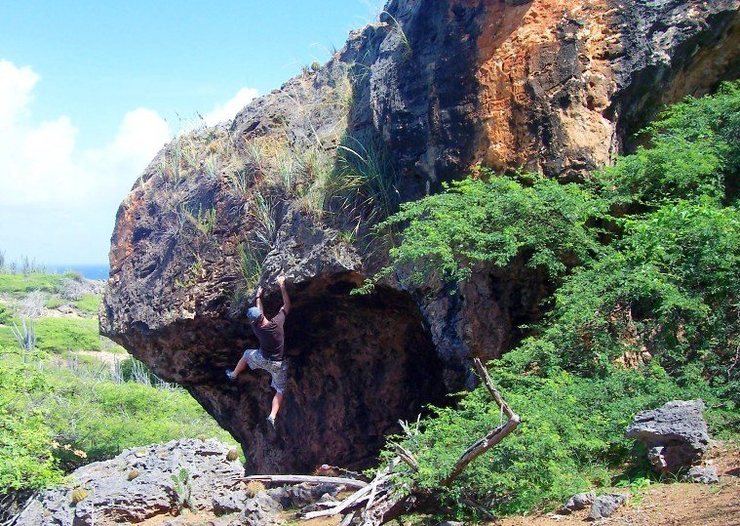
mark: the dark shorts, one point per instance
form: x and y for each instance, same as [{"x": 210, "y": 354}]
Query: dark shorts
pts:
[{"x": 278, "y": 370}]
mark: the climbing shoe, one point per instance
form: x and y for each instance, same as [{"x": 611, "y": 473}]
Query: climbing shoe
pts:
[
  {"x": 230, "y": 374},
  {"x": 271, "y": 421}
]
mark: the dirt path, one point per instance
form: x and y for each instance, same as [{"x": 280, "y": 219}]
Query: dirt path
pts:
[{"x": 677, "y": 504}]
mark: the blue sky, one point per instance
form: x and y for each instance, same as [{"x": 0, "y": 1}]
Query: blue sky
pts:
[{"x": 89, "y": 91}]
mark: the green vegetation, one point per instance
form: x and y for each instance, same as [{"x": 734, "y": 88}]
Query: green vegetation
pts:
[
  {"x": 53, "y": 302},
  {"x": 68, "y": 334},
  {"x": 204, "y": 221},
  {"x": 26, "y": 460},
  {"x": 88, "y": 303},
  {"x": 646, "y": 260},
  {"x": 250, "y": 264},
  {"x": 494, "y": 221},
  {"x": 56, "y": 418},
  {"x": 60, "y": 409},
  {"x": 366, "y": 163},
  {"x": 17, "y": 284},
  {"x": 6, "y": 315},
  {"x": 183, "y": 490}
]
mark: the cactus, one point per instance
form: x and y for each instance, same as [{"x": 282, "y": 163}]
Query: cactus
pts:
[
  {"x": 183, "y": 490},
  {"x": 78, "y": 495},
  {"x": 254, "y": 487}
]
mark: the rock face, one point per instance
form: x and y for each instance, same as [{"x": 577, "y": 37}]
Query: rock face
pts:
[
  {"x": 676, "y": 434},
  {"x": 578, "y": 502},
  {"x": 294, "y": 184},
  {"x": 113, "y": 496},
  {"x": 701, "y": 474}
]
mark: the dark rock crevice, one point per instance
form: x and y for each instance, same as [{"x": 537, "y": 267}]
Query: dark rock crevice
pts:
[{"x": 358, "y": 364}]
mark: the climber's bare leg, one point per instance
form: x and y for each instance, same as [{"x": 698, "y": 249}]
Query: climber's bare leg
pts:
[
  {"x": 240, "y": 366},
  {"x": 277, "y": 401}
]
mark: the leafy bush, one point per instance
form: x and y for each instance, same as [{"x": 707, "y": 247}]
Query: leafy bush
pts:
[
  {"x": 572, "y": 429},
  {"x": 88, "y": 303},
  {"x": 54, "y": 301},
  {"x": 51, "y": 419},
  {"x": 26, "y": 460},
  {"x": 22, "y": 283},
  {"x": 6, "y": 314},
  {"x": 495, "y": 220},
  {"x": 7, "y": 339},
  {"x": 64, "y": 334},
  {"x": 670, "y": 289},
  {"x": 103, "y": 418},
  {"x": 694, "y": 151}
]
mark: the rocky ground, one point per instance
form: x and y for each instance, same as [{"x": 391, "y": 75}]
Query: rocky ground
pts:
[{"x": 138, "y": 487}]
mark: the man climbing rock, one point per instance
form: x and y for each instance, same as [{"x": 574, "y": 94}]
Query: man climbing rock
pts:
[{"x": 270, "y": 356}]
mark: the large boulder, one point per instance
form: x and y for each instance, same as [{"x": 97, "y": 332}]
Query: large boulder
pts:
[
  {"x": 675, "y": 434},
  {"x": 418, "y": 98},
  {"x": 136, "y": 485}
]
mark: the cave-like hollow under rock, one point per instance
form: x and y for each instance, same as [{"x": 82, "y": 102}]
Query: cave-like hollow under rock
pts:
[{"x": 357, "y": 364}]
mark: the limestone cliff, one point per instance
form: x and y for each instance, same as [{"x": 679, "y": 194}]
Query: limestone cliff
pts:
[{"x": 294, "y": 183}]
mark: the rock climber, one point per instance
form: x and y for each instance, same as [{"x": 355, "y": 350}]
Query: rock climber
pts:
[{"x": 270, "y": 356}]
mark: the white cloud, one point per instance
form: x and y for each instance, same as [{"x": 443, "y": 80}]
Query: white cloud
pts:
[
  {"x": 48, "y": 183},
  {"x": 58, "y": 201},
  {"x": 40, "y": 163},
  {"x": 230, "y": 108},
  {"x": 140, "y": 136},
  {"x": 16, "y": 85}
]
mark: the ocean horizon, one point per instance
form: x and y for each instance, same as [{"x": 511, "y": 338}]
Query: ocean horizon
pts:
[{"x": 99, "y": 272}]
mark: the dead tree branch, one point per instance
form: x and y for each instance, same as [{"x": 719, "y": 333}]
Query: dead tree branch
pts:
[
  {"x": 291, "y": 479},
  {"x": 493, "y": 437}
]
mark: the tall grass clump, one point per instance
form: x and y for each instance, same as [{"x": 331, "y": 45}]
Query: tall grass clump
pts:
[
  {"x": 250, "y": 265},
  {"x": 366, "y": 160}
]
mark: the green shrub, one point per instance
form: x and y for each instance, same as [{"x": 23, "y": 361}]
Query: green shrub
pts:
[
  {"x": 53, "y": 302},
  {"x": 649, "y": 312},
  {"x": 493, "y": 221},
  {"x": 7, "y": 339},
  {"x": 103, "y": 418},
  {"x": 6, "y": 314},
  {"x": 64, "y": 334},
  {"x": 669, "y": 289},
  {"x": 20, "y": 283},
  {"x": 694, "y": 151},
  {"x": 26, "y": 460},
  {"x": 88, "y": 303},
  {"x": 53, "y": 419},
  {"x": 572, "y": 430},
  {"x": 133, "y": 370}
]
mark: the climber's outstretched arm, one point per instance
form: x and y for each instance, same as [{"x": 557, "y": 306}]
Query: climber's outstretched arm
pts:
[
  {"x": 258, "y": 300},
  {"x": 284, "y": 292}
]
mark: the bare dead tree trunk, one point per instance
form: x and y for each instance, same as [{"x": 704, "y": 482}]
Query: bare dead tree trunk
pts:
[{"x": 493, "y": 437}]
